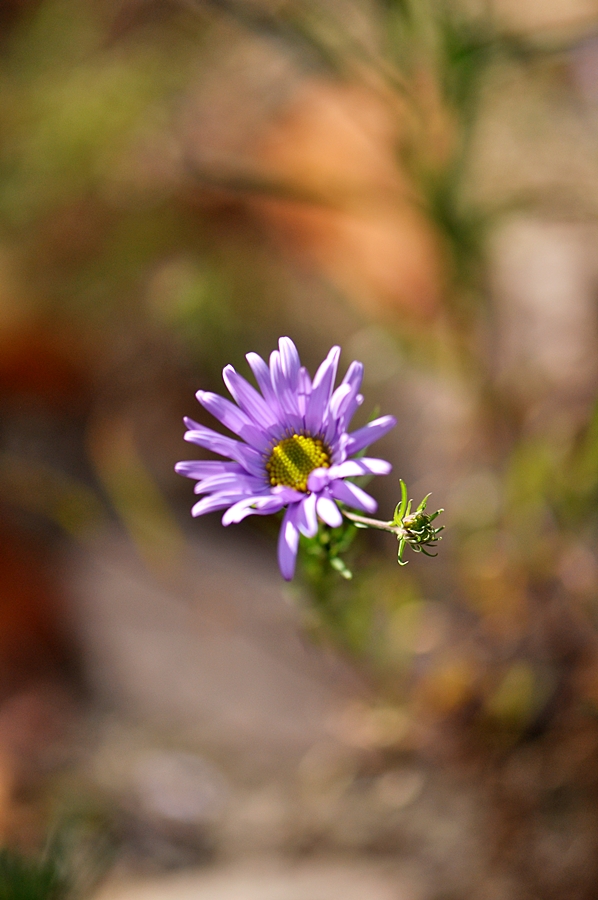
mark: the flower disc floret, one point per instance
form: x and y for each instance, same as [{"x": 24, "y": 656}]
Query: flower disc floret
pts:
[
  {"x": 293, "y": 451},
  {"x": 293, "y": 460}
]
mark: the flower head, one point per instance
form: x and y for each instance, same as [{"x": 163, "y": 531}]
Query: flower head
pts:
[{"x": 294, "y": 449}]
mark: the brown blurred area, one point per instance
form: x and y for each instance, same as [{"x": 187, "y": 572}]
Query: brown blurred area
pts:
[{"x": 180, "y": 183}]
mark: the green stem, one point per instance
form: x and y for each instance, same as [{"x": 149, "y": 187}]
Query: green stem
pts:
[{"x": 373, "y": 523}]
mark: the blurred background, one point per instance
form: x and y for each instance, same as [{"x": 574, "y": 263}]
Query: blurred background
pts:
[{"x": 182, "y": 181}]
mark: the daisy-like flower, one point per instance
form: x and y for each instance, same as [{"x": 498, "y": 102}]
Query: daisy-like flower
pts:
[{"x": 294, "y": 449}]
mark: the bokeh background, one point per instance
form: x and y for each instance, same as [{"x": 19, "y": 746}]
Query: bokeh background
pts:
[{"x": 182, "y": 181}]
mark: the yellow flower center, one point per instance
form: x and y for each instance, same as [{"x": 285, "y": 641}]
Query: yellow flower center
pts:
[{"x": 292, "y": 460}]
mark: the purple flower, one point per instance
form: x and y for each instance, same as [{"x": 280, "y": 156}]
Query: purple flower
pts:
[{"x": 294, "y": 449}]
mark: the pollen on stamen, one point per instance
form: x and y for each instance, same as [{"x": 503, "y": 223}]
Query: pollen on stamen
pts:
[{"x": 294, "y": 458}]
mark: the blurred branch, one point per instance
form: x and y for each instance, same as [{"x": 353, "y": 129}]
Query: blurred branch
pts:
[
  {"x": 135, "y": 494},
  {"x": 44, "y": 490},
  {"x": 261, "y": 22},
  {"x": 333, "y": 198}
]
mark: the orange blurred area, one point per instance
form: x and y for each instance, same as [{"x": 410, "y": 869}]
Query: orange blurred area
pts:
[
  {"x": 337, "y": 143},
  {"x": 32, "y": 366},
  {"x": 29, "y": 632}
]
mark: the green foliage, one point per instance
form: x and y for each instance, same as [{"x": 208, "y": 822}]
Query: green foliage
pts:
[
  {"x": 324, "y": 552},
  {"x": 69, "y": 867},
  {"x": 26, "y": 878}
]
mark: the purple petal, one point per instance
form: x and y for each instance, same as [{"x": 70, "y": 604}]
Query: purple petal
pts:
[
  {"x": 352, "y": 495},
  {"x": 327, "y": 369},
  {"x": 287, "y": 397},
  {"x": 321, "y": 392},
  {"x": 211, "y": 440},
  {"x": 223, "y": 410},
  {"x": 289, "y": 495},
  {"x": 304, "y": 381},
  {"x": 328, "y": 511},
  {"x": 191, "y": 424},
  {"x": 304, "y": 390},
  {"x": 258, "y": 505},
  {"x": 332, "y": 433},
  {"x": 262, "y": 376},
  {"x": 215, "y": 501},
  {"x": 351, "y": 408},
  {"x": 351, "y": 400},
  {"x": 318, "y": 479},
  {"x": 352, "y": 468},
  {"x": 248, "y": 399},
  {"x": 288, "y": 543},
  {"x": 338, "y": 399},
  {"x": 371, "y": 432},
  {"x": 335, "y": 426},
  {"x": 232, "y": 417},
  {"x": 204, "y": 468},
  {"x": 337, "y": 448},
  {"x": 290, "y": 362},
  {"x": 354, "y": 375},
  {"x": 307, "y": 519},
  {"x": 241, "y": 483},
  {"x": 249, "y": 458}
]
